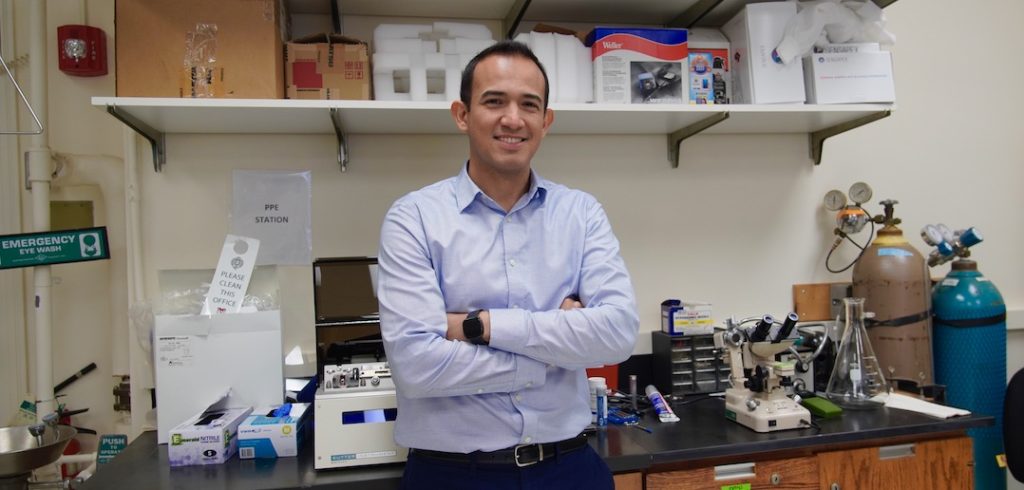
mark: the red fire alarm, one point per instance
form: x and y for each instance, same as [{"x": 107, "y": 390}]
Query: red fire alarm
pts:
[{"x": 82, "y": 50}]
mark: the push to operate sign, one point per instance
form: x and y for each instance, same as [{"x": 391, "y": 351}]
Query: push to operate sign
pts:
[{"x": 53, "y": 247}]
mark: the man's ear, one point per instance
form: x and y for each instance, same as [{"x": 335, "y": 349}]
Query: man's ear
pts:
[
  {"x": 549, "y": 118},
  {"x": 460, "y": 113}
]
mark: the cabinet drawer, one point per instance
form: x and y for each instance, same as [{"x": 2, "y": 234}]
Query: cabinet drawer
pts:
[
  {"x": 781, "y": 474},
  {"x": 939, "y": 464}
]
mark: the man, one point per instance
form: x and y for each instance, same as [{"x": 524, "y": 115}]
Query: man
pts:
[{"x": 497, "y": 288}]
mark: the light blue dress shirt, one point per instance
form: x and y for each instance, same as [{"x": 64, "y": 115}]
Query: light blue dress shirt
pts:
[{"x": 450, "y": 248}]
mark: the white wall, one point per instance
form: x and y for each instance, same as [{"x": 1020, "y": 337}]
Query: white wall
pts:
[{"x": 736, "y": 224}]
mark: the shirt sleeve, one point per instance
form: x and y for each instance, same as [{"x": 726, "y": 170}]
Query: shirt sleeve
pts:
[
  {"x": 413, "y": 323},
  {"x": 602, "y": 333}
]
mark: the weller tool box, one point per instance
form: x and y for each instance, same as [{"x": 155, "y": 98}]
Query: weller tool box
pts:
[{"x": 639, "y": 66}]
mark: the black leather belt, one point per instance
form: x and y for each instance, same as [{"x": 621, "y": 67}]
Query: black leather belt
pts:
[{"x": 521, "y": 455}]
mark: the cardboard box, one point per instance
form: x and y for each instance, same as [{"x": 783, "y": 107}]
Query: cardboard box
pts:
[
  {"x": 686, "y": 318},
  {"x": 847, "y": 78},
  {"x": 326, "y": 66},
  {"x": 210, "y": 437},
  {"x": 753, "y": 34},
  {"x": 207, "y": 356},
  {"x": 270, "y": 433},
  {"x": 711, "y": 42},
  {"x": 151, "y": 48},
  {"x": 639, "y": 66}
]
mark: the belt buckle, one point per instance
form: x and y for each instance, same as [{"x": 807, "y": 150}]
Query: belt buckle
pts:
[{"x": 540, "y": 455}]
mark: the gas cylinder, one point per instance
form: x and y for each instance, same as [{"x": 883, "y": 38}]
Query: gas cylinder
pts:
[
  {"x": 893, "y": 279},
  {"x": 970, "y": 359}
]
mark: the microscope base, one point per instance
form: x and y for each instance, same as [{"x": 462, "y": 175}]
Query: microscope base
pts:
[{"x": 771, "y": 414}]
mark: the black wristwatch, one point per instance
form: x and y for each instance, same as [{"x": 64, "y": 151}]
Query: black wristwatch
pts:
[{"x": 473, "y": 328}]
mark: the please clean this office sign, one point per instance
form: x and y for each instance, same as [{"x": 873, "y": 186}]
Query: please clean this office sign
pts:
[{"x": 53, "y": 247}]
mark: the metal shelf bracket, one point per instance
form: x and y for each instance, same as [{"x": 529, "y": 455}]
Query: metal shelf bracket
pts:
[
  {"x": 156, "y": 138},
  {"x": 339, "y": 132},
  {"x": 676, "y": 138},
  {"x": 817, "y": 138}
]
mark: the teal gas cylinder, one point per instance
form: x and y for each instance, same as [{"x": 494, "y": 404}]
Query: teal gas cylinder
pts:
[{"x": 969, "y": 332}]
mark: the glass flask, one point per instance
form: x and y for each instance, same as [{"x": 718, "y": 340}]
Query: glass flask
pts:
[{"x": 857, "y": 381}]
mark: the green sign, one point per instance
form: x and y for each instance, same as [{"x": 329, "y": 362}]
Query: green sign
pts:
[
  {"x": 53, "y": 247},
  {"x": 738, "y": 486},
  {"x": 110, "y": 446}
]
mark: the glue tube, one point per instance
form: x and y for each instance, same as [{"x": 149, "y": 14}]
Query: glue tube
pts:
[{"x": 661, "y": 407}]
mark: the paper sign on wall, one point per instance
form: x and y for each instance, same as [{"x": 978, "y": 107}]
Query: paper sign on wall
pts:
[
  {"x": 274, "y": 207},
  {"x": 231, "y": 279}
]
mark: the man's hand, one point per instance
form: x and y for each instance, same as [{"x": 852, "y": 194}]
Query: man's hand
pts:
[{"x": 571, "y": 302}]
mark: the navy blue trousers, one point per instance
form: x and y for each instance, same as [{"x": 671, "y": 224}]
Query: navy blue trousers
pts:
[{"x": 581, "y": 469}]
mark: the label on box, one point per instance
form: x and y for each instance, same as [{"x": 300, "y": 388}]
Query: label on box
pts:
[
  {"x": 701, "y": 79},
  {"x": 639, "y": 66}
]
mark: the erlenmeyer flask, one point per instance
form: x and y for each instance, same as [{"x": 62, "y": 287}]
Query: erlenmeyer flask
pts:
[{"x": 856, "y": 381}]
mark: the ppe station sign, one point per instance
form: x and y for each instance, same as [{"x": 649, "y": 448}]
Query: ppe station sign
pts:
[{"x": 53, "y": 247}]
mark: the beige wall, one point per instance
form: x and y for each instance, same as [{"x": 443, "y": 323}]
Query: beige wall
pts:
[{"x": 736, "y": 224}]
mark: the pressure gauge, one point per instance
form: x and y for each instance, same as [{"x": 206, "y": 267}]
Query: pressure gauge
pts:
[
  {"x": 835, "y": 200},
  {"x": 860, "y": 193}
]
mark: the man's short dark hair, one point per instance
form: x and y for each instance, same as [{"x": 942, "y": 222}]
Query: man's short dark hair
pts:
[{"x": 501, "y": 48}]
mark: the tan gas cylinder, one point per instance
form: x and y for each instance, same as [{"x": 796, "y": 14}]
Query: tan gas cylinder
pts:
[{"x": 893, "y": 279}]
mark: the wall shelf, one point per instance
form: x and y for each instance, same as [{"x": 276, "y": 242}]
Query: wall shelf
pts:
[{"x": 155, "y": 117}]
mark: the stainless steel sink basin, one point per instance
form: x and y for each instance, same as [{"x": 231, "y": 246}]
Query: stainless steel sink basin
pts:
[{"x": 20, "y": 453}]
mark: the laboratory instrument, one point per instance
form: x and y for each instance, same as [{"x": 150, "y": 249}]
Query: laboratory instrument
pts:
[
  {"x": 757, "y": 397},
  {"x": 893, "y": 279},
  {"x": 857, "y": 381},
  {"x": 970, "y": 344},
  {"x": 25, "y": 448}
]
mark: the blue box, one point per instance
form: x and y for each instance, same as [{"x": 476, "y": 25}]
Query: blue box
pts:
[{"x": 270, "y": 433}]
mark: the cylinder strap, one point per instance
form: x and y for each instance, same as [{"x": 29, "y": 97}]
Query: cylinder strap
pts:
[
  {"x": 899, "y": 321},
  {"x": 974, "y": 322}
]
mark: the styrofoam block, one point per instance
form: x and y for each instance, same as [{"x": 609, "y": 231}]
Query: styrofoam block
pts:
[
  {"x": 462, "y": 29},
  {"x": 453, "y": 65},
  {"x": 400, "y": 31},
  {"x": 585, "y": 77},
  {"x": 465, "y": 45},
  {"x": 410, "y": 46},
  {"x": 386, "y": 67},
  {"x": 544, "y": 47},
  {"x": 446, "y": 46},
  {"x": 565, "y": 62}
]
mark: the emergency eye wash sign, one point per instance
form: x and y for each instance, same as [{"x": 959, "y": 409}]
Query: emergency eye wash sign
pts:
[{"x": 53, "y": 247}]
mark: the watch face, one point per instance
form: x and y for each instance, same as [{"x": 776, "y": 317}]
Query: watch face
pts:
[{"x": 472, "y": 327}]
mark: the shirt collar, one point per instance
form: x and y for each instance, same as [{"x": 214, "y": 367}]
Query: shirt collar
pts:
[{"x": 466, "y": 190}]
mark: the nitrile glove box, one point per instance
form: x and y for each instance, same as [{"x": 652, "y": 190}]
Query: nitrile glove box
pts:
[
  {"x": 846, "y": 78},
  {"x": 210, "y": 437},
  {"x": 754, "y": 33},
  {"x": 686, "y": 318},
  {"x": 639, "y": 66},
  {"x": 267, "y": 433}
]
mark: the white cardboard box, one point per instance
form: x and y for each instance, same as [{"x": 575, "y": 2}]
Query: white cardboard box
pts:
[
  {"x": 639, "y": 65},
  {"x": 199, "y": 358},
  {"x": 846, "y": 78},
  {"x": 753, "y": 34},
  {"x": 209, "y": 437},
  {"x": 263, "y": 435}
]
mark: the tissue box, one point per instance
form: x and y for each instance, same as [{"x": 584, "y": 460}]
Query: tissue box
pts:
[
  {"x": 843, "y": 78},
  {"x": 264, "y": 435},
  {"x": 686, "y": 318},
  {"x": 757, "y": 79},
  {"x": 639, "y": 66},
  {"x": 207, "y": 438},
  {"x": 328, "y": 67}
]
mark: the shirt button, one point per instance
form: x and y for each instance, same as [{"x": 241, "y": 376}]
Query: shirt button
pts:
[
  {"x": 479, "y": 390},
  {"x": 519, "y": 397},
  {"x": 529, "y": 384},
  {"x": 527, "y": 439},
  {"x": 512, "y": 263}
]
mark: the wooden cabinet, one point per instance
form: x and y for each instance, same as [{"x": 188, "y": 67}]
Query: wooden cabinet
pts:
[
  {"x": 934, "y": 464},
  {"x": 629, "y": 481},
  {"x": 782, "y": 474},
  {"x": 938, "y": 464}
]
